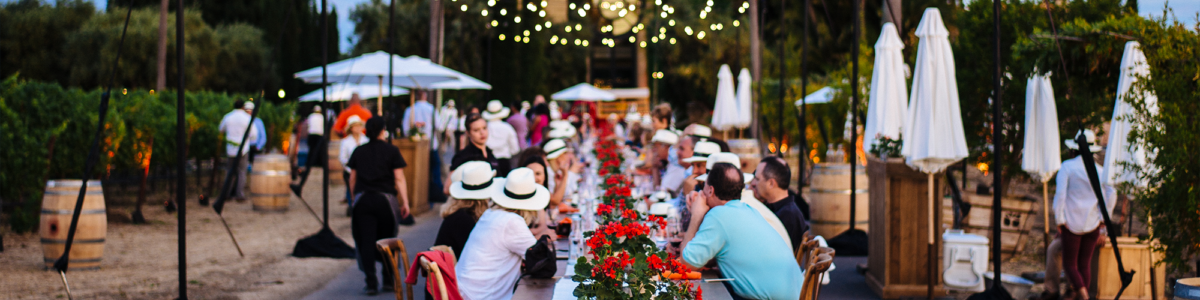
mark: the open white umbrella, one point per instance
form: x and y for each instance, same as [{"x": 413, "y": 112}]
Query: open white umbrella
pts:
[
  {"x": 1041, "y": 156},
  {"x": 725, "y": 108},
  {"x": 1120, "y": 150},
  {"x": 823, "y": 95},
  {"x": 889, "y": 96},
  {"x": 372, "y": 68},
  {"x": 744, "y": 108},
  {"x": 583, "y": 92},
  {"x": 343, "y": 91},
  {"x": 933, "y": 136}
]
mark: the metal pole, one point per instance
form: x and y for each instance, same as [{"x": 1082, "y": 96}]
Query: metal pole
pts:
[
  {"x": 782, "y": 73},
  {"x": 325, "y": 107},
  {"x": 997, "y": 142},
  {"x": 391, "y": 38},
  {"x": 180, "y": 144},
  {"x": 854, "y": 112},
  {"x": 803, "y": 120}
]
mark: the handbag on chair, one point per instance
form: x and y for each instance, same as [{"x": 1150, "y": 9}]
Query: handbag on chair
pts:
[{"x": 540, "y": 260}]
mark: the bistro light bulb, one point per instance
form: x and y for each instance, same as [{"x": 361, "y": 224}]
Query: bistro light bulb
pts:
[
  {"x": 281, "y": 94},
  {"x": 568, "y": 28},
  {"x": 517, "y": 19},
  {"x": 526, "y": 33},
  {"x": 632, "y": 39},
  {"x": 578, "y": 27},
  {"x": 736, "y": 23},
  {"x": 672, "y": 22},
  {"x": 494, "y": 23},
  {"x": 501, "y": 36},
  {"x": 483, "y": 12},
  {"x": 572, "y": 6},
  {"x": 464, "y": 7},
  {"x": 503, "y": 11},
  {"x": 672, "y": 41},
  {"x": 542, "y": 13},
  {"x": 537, "y": 27},
  {"x": 585, "y": 43}
]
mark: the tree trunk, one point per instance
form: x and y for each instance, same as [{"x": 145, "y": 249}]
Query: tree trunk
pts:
[
  {"x": 892, "y": 13},
  {"x": 161, "y": 83}
]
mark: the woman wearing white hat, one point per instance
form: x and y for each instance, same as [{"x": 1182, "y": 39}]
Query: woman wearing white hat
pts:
[
  {"x": 354, "y": 138},
  {"x": 491, "y": 261},
  {"x": 472, "y": 187},
  {"x": 1077, "y": 213}
]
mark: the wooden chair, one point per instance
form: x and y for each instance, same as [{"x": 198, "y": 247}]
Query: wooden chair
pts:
[
  {"x": 432, "y": 272},
  {"x": 395, "y": 258},
  {"x": 812, "y": 277},
  {"x": 804, "y": 254}
]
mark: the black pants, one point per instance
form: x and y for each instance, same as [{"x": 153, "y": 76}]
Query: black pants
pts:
[
  {"x": 372, "y": 221},
  {"x": 314, "y": 155}
]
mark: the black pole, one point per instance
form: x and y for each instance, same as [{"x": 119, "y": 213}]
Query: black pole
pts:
[
  {"x": 325, "y": 107},
  {"x": 391, "y": 38},
  {"x": 782, "y": 73},
  {"x": 803, "y": 120},
  {"x": 180, "y": 144},
  {"x": 854, "y": 112},
  {"x": 997, "y": 141}
]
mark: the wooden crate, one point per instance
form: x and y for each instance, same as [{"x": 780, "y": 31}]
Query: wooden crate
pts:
[
  {"x": 416, "y": 175},
  {"x": 1136, "y": 256},
  {"x": 898, "y": 260},
  {"x": 1016, "y": 223}
]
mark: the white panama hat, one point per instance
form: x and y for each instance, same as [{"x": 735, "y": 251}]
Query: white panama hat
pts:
[
  {"x": 561, "y": 130},
  {"x": 475, "y": 181},
  {"x": 724, "y": 157},
  {"x": 495, "y": 111},
  {"x": 702, "y": 131},
  {"x": 1091, "y": 138},
  {"x": 520, "y": 191},
  {"x": 248, "y": 106},
  {"x": 702, "y": 150},
  {"x": 555, "y": 148},
  {"x": 354, "y": 119},
  {"x": 665, "y": 136}
]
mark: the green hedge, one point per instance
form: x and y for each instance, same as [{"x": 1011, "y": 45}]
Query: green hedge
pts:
[{"x": 34, "y": 115}]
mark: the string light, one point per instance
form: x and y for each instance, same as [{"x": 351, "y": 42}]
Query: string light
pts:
[
  {"x": 672, "y": 41},
  {"x": 544, "y": 3},
  {"x": 517, "y": 19},
  {"x": 672, "y": 22},
  {"x": 483, "y": 12},
  {"x": 635, "y": 30},
  {"x": 542, "y": 13},
  {"x": 643, "y": 44},
  {"x": 578, "y": 27},
  {"x": 632, "y": 39},
  {"x": 537, "y": 27},
  {"x": 703, "y": 15},
  {"x": 662, "y": 30},
  {"x": 708, "y": 9},
  {"x": 494, "y": 23},
  {"x": 547, "y": 24},
  {"x": 568, "y": 28},
  {"x": 663, "y": 14},
  {"x": 688, "y": 30},
  {"x": 736, "y": 23},
  {"x": 503, "y": 12},
  {"x": 491, "y": 3},
  {"x": 464, "y": 7},
  {"x": 700, "y": 35},
  {"x": 554, "y": 40},
  {"x": 576, "y": 42},
  {"x": 622, "y": 13},
  {"x": 654, "y": 39},
  {"x": 527, "y": 33},
  {"x": 530, "y": 6},
  {"x": 572, "y": 6},
  {"x": 526, "y": 40},
  {"x": 501, "y": 36},
  {"x": 564, "y": 41},
  {"x": 586, "y": 6},
  {"x": 582, "y": 13},
  {"x": 585, "y": 43}
]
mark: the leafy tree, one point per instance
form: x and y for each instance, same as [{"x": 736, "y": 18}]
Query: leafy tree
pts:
[{"x": 33, "y": 34}]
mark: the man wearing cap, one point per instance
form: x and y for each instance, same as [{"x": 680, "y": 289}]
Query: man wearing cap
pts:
[
  {"x": 420, "y": 118},
  {"x": 354, "y": 109},
  {"x": 234, "y": 126},
  {"x": 725, "y": 228},
  {"x": 502, "y": 138},
  {"x": 770, "y": 186}
]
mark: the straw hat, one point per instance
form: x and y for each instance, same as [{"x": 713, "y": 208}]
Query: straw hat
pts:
[
  {"x": 702, "y": 150},
  {"x": 475, "y": 181},
  {"x": 665, "y": 136},
  {"x": 561, "y": 130},
  {"x": 555, "y": 148},
  {"x": 354, "y": 120},
  {"x": 702, "y": 131},
  {"x": 520, "y": 191},
  {"x": 248, "y": 106},
  {"x": 555, "y": 113},
  {"x": 1091, "y": 139},
  {"x": 661, "y": 209},
  {"x": 495, "y": 111},
  {"x": 724, "y": 157}
]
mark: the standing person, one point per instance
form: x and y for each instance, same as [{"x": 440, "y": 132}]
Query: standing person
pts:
[
  {"x": 491, "y": 261},
  {"x": 1077, "y": 212},
  {"x": 770, "y": 186},
  {"x": 354, "y": 109},
  {"x": 724, "y": 228},
  {"x": 539, "y": 115},
  {"x": 260, "y": 143},
  {"x": 471, "y": 195},
  {"x": 234, "y": 126},
  {"x": 502, "y": 138},
  {"x": 355, "y": 136},
  {"x": 419, "y": 119},
  {"x": 475, "y": 147},
  {"x": 444, "y": 129},
  {"x": 520, "y": 124},
  {"x": 376, "y": 180},
  {"x": 316, "y": 132}
]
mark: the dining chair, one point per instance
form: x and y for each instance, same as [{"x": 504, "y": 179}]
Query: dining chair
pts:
[
  {"x": 395, "y": 257},
  {"x": 812, "y": 277},
  {"x": 433, "y": 272}
]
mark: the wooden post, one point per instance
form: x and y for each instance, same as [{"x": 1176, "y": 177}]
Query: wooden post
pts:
[{"x": 1045, "y": 215}]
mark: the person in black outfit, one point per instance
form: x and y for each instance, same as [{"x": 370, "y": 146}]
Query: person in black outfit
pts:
[
  {"x": 376, "y": 181},
  {"x": 471, "y": 195},
  {"x": 770, "y": 185},
  {"x": 476, "y": 149}
]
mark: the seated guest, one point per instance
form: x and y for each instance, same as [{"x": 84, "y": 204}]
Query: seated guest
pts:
[
  {"x": 563, "y": 164},
  {"x": 801, "y": 202},
  {"x": 535, "y": 159},
  {"x": 726, "y": 229},
  {"x": 770, "y": 186},
  {"x": 491, "y": 261},
  {"x": 730, "y": 158},
  {"x": 656, "y": 158},
  {"x": 678, "y": 170},
  {"x": 471, "y": 193},
  {"x": 697, "y": 163}
]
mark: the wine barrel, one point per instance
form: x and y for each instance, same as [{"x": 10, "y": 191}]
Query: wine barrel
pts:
[
  {"x": 829, "y": 199},
  {"x": 58, "y": 204},
  {"x": 269, "y": 183},
  {"x": 748, "y": 152}
]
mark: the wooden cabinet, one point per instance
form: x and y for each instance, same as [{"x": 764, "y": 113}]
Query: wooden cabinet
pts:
[
  {"x": 899, "y": 252},
  {"x": 416, "y": 175},
  {"x": 1136, "y": 256}
]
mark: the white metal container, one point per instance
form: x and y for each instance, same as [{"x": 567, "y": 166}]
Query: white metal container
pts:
[{"x": 965, "y": 257}]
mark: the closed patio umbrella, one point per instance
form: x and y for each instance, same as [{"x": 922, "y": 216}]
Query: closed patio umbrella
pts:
[
  {"x": 1120, "y": 150},
  {"x": 744, "y": 113},
  {"x": 889, "y": 96},
  {"x": 1041, "y": 156},
  {"x": 725, "y": 109},
  {"x": 933, "y": 138}
]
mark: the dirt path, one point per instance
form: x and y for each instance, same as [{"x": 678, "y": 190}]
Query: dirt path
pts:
[{"x": 140, "y": 260}]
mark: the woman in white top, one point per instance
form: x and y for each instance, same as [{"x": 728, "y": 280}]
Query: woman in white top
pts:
[
  {"x": 354, "y": 138},
  {"x": 1077, "y": 213},
  {"x": 491, "y": 260}
]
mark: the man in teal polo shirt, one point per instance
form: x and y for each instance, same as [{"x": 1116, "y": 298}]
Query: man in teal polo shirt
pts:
[{"x": 745, "y": 246}]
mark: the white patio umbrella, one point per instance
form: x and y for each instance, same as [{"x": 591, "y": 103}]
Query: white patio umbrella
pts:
[
  {"x": 1041, "y": 156},
  {"x": 725, "y": 108},
  {"x": 343, "y": 91},
  {"x": 1120, "y": 150},
  {"x": 933, "y": 137},
  {"x": 823, "y": 95},
  {"x": 372, "y": 68},
  {"x": 889, "y": 96},
  {"x": 744, "y": 108},
  {"x": 583, "y": 92}
]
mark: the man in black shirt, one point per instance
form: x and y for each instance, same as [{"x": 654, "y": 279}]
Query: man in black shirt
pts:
[
  {"x": 770, "y": 185},
  {"x": 376, "y": 181}
]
